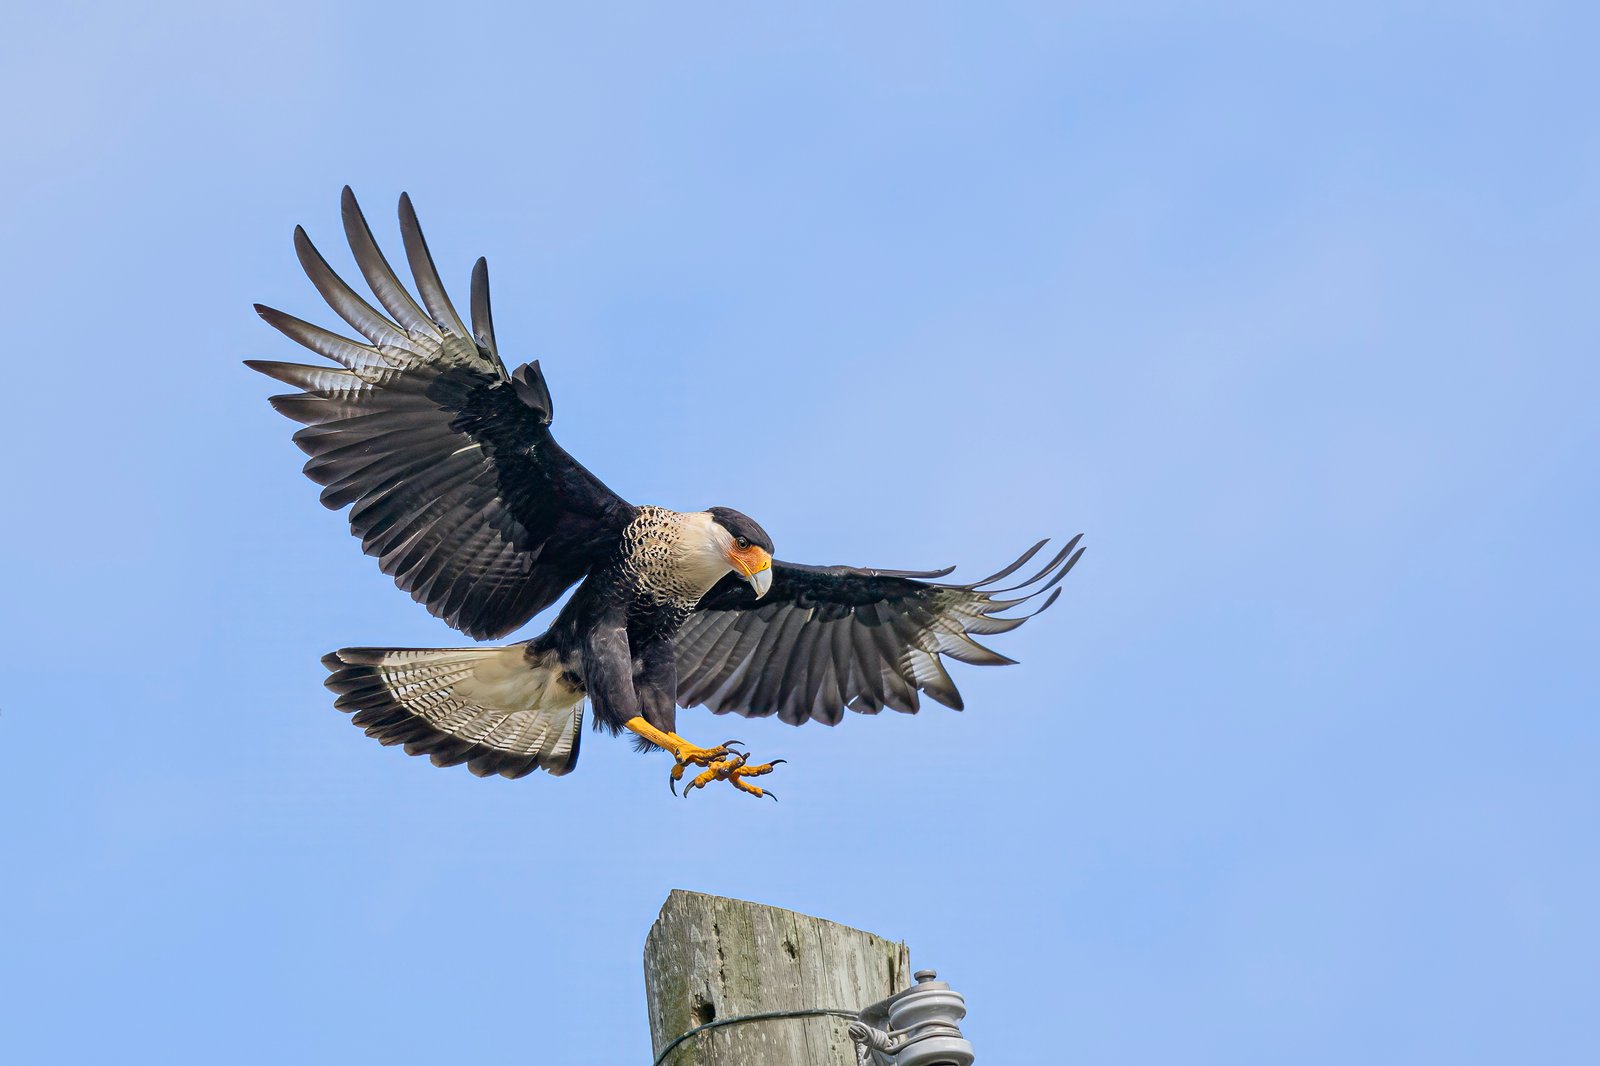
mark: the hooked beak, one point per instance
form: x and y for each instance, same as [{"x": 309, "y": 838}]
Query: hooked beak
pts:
[
  {"x": 761, "y": 581},
  {"x": 755, "y": 566}
]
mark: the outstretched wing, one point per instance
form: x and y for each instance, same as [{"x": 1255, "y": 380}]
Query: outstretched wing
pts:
[
  {"x": 827, "y": 638},
  {"x": 446, "y": 462}
]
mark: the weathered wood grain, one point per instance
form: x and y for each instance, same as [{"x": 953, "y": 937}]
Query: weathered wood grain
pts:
[{"x": 709, "y": 957}]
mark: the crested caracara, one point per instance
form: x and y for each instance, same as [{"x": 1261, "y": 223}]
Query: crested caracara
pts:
[{"x": 457, "y": 488}]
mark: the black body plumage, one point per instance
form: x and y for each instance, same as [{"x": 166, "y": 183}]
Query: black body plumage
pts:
[{"x": 456, "y": 486}]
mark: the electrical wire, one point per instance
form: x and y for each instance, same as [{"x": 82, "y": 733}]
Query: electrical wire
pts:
[{"x": 810, "y": 1012}]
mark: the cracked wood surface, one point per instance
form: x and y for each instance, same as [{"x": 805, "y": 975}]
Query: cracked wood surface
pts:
[{"x": 709, "y": 957}]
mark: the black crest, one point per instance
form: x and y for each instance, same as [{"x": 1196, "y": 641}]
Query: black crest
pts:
[{"x": 742, "y": 525}]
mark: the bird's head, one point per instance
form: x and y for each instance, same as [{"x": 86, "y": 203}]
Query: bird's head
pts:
[{"x": 745, "y": 546}]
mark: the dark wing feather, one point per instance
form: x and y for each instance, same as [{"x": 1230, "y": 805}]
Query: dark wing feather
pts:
[
  {"x": 827, "y": 638},
  {"x": 446, "y": 462}
]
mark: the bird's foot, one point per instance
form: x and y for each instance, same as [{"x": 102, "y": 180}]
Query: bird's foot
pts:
[
  {"x": 722, "y": 762},
  {"x": 733, "y": 770},
  {"x": 685, "y": 755}
]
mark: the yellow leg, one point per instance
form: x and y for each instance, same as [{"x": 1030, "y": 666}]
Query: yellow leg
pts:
[
  {"x": 717, "y": 761},
  {"x": 683, "y": 751}
]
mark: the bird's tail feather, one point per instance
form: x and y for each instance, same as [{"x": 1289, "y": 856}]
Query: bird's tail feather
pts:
[{"x": 506, "y": 711}]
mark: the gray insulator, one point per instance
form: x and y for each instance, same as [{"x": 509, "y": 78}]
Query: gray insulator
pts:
[{"x": 917, "y": 1027}]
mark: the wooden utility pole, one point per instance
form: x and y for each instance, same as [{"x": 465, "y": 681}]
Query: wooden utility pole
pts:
[{"x": 709, "y": 959}]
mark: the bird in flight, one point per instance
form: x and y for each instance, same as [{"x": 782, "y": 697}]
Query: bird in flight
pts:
[{"x": 457, "y": 488}]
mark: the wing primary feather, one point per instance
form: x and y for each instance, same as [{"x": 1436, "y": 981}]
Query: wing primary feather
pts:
[
  {"x": 319, "y": 380},
  {"x": 344, "y": 300},
  {"x": 941, "y": 686},
  {"x": 346, "y": 353},
  {"x": 425, "y": 272},
  {"x": 1035, "y": 589},
  {"x": 1055, "y": 579},
  {"x": 482, "y": 320},
  {"x": 1054, "y": 572},
  {"x": 1013, "y": 568},
  {"x": 996, "y": 624},
  {"x": 1055, "y": 594},
  {"x": 379, "y": 274},
  {"x": 972, "y": 653},
  {"x": 1046, "y": 569}
]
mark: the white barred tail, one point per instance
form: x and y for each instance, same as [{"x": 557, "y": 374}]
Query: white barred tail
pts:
[{"x": 499, "y": 710}]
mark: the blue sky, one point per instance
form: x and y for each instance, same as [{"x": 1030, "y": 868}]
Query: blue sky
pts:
[{"x": 1288, "y": 308}]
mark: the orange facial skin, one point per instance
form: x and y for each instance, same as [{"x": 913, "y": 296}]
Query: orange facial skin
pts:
[{"x": 749, "y": 561}]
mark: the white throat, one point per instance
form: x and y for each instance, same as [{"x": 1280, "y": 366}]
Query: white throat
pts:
[{"x": 677, "y": 556}]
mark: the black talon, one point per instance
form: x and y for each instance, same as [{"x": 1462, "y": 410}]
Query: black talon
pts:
[{"x": 769, "y": 792}]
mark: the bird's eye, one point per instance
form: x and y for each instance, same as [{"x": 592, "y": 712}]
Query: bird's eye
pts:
[{"x": 742, "y": 542}]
